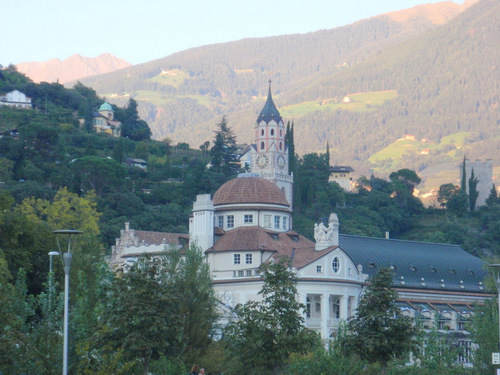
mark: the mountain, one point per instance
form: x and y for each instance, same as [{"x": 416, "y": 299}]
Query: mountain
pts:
[
  {"x": 427, "y": 73},
  {"x": 73, "y": 68}
]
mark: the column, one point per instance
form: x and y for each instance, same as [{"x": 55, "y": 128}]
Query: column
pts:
[
  {"x": 325, "y": 316},
  {"x": 353, "y": 305},
  {"x": 344, "y": 312}
]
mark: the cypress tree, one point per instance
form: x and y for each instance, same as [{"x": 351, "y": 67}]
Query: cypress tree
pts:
[
  {"x": 463, "y": 183},
  {"x": 473, "y": 193}
]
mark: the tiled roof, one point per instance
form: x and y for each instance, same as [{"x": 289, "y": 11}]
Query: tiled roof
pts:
[
  {"x": 157, "y": 238},
  {"x": 257, "y": 238},
  {"x": 249, "y": 190},
  {"x": 417, "y": 264}
]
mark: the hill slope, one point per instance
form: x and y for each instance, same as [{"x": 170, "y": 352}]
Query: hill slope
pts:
[{"x": 439, "y": 59}]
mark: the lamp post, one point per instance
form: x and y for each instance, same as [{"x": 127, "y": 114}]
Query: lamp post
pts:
[
  {"x": 495, "y": 271},
  {"x": 69, "y": 235}
]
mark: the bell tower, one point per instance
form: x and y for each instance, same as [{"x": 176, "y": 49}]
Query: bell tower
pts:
[{"x": 270, "y": 161}]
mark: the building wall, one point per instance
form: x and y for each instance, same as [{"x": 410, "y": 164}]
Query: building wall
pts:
[{"x": 483, "y": 171}]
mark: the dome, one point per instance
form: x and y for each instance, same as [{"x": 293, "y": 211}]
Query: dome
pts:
[
  {"x": 105, "y": 107},
  {"x": 249, "y": 190}
]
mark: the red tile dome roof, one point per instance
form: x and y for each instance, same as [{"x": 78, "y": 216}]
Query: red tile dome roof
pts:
[{"x": 249, "y": 190}]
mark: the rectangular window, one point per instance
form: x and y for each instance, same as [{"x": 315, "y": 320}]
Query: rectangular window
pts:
[
  {"x": 249, "y": 272},
  {"x": 230, "y": 221},
  {"x": 248, "y": 258},
  {"x": 241, "y": 273},
  {"x": 318, "y": 269},
  {"x": 267, "y": 221},
  {"x": 236, "y": 258},
  {"x": 276, "y": 222},
  {"x": 221, "y": 221},
  {"x": 248, "y": 219},
  {"x": 285, "y": 223}
]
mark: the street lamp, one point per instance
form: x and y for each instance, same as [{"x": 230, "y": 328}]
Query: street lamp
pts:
[
  {"x": 69, "y": 235},
  {"x": 495, "y": 271}
]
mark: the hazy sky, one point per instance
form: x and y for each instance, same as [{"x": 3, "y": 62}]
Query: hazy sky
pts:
[{"x": 144, "y": 30}]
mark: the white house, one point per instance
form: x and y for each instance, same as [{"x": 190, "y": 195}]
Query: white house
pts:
[{"x": 15, "y": 99}]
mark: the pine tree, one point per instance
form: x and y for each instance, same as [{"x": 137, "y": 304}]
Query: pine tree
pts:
[{"x": 223, "y": 152}]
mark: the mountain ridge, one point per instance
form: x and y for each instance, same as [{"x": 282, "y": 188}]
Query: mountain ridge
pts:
[{"x": 73, "y": 68}]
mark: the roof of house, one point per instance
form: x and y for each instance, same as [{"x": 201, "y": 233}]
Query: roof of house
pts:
[
  {"x": 158, "y": 238},
  {"x": 257, "y": 238},
  {"x": 105, "y": 107},
  {"x": 417, "y": 264},
  {"x": 249, "y": 190},
  {"x": 269, "y": 112}
]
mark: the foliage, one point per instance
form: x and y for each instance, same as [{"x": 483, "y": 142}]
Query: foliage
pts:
[
  {"x": 473, "y": 193},
  {"x": 142, "y": 314},
  {"x": 321, "y": 361},
  {"x": 223, "y": 152},
  {"x": 267, "y": 332},
  {"x": 379, "y": 332},
  {"x": 484, "y": 330},
  {"x": 132, "y": 126}
]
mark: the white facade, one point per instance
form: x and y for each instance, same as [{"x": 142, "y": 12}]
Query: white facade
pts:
[{"x": 15, "y": 99}]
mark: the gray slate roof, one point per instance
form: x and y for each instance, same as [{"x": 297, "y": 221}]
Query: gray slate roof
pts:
[
  {"x": 269, "y": 112},
  {"x": 417, "y": 264}
]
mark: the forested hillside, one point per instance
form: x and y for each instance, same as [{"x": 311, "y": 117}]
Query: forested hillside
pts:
[{"x": 444, "y": 77}]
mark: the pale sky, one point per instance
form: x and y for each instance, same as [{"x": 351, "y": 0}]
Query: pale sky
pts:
[{"x": 144, "y": 30}]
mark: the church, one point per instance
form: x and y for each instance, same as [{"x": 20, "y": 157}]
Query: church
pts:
[{"x": 249, "y": 221}]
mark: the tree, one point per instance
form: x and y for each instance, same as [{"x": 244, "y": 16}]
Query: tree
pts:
[
  {"x": 142, "y": 317},
  {"x": 267, "y": 332},
  {"x": 446, "y": 192},
  {"x": 197, "y": 302},
  {"x": 223, "y": 152},
  {"x": 463, "y": 181},
  {"x": 493, "y": 197},
  {"x": 96, "y": 173},
  {"x": 379, "y": 332},
  {"x": 484, "y": 330},
  {"x": 473, "y": 193},
  {"x": 132, "y": 126}
]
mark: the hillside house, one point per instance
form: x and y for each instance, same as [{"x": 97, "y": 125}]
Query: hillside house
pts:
[{"x": 15, "y": 99}]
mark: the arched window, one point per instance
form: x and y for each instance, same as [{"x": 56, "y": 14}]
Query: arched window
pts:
[
  {"x": 272, "y": 132},
  {"x": 262, "y": 132},
  {"x": 262, "y": 146},
  {"x": 281, "y": 146}
]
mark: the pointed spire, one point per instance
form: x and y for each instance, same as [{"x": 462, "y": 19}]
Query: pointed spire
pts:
[{"x": 269, "y": 112}]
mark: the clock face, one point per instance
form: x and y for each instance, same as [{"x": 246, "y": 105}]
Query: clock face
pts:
[
  {"x": 262, "y": 161},
  {"x": 281, "y": 162}
]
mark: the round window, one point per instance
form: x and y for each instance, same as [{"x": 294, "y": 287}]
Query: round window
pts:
[{"x": 336, "y": 265}]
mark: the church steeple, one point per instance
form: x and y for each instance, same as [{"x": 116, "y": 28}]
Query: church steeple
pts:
[
  {"x": 269, "y": 112},
  {"x": 270, "y": 159}
]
